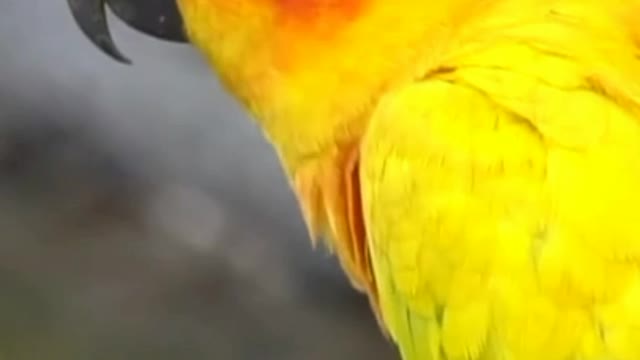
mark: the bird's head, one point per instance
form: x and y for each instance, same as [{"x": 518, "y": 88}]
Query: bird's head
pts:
[
  {"x": 307, "y": 70},
  {"x": 273, "y": 55},
  {"x": 226, "y": 19}
]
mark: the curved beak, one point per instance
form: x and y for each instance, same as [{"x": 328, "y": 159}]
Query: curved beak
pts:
[{"x": 158, "y": 18}]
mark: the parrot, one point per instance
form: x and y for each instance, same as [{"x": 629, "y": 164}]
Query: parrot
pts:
[{"x": 474, "y": 165}]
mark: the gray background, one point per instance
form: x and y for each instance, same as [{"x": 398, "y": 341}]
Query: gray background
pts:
[{"x": 142, "y": 216}]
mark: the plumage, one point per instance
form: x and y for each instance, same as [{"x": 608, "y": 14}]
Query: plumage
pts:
[{"x": 473, "y": 163}]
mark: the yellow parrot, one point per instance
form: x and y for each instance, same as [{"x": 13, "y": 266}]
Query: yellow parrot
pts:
[{"x": 474, "y": 164}]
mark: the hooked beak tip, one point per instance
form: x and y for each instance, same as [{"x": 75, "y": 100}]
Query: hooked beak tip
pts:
[
  {"x": 158, "y": 18},
  {"x": 91, "y": 18}
]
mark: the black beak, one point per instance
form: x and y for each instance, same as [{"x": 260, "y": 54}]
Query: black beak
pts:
[{"x": 158, "y": 18}]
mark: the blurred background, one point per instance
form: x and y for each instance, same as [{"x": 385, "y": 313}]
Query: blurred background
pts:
[{"x": 142, "y": 216}]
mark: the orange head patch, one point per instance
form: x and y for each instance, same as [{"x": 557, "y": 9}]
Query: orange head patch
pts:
[
  {"x": 310, "y": 9},
  {"x": 310, "y": 13}
]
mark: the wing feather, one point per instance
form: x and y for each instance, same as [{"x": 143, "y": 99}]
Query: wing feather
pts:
[{"x": 499, "y": 206}]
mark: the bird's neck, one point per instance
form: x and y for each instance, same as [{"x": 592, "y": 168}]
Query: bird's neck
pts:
[{"x": 310, "y": 79}]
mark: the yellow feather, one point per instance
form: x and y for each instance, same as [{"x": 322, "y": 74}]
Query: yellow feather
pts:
[
  {"x": 502, "y": 193},
  {"x": 499, "y": 162}
]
